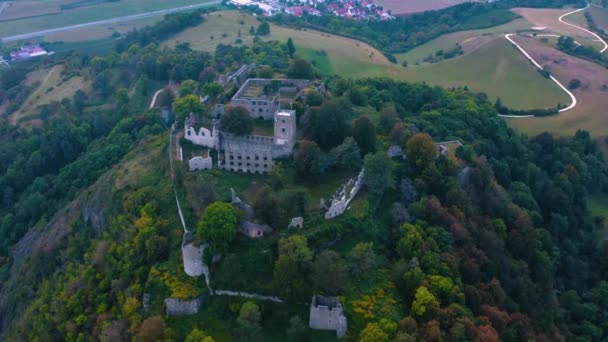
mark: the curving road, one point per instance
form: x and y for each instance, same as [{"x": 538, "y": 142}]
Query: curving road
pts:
[
  {"x": 108, "y": 21},
  {"x": 599, "y": 39},
  {"x": 525, "y": 53}
]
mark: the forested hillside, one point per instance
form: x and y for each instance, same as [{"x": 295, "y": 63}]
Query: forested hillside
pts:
[{"x": 490, "y": 241}]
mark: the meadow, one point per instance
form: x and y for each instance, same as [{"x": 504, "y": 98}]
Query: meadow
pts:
[
  {"x": 330, "y": 53},
  {"x": 496, "y": 69},
  {"x": 590, "y": 112},
  {"x": 81, "y": 15},
  {"x": 53, "y": 87}
]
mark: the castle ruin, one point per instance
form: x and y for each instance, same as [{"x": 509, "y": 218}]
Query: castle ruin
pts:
[{"x": 326, "y": 314}]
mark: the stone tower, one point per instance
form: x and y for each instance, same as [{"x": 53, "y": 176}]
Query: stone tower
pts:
[{"x": 285, "y": 130}]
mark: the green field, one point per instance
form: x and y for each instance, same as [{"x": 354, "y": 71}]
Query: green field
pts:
[
  {"x": 498, "y": 70},
  {"x": 469, "y": 40},
  {"x": 331, "y": 54},
  {"x": 91, "y": 13}
]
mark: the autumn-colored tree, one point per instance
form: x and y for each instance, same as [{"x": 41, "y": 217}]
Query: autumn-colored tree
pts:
[
  {"x": 421, "y": 150},
  {"x": 218, "y": 226},
  {"x": 152, "y": 329}
]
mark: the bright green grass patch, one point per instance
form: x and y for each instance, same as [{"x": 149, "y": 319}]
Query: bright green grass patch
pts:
[
  {"x": 317, "y": 58},
  {"x": 498, "y": 70}
]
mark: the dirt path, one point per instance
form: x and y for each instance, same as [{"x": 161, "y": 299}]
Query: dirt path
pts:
[
  {"x": 599, "y": 39},
  {"x": 574, "y": 101}
]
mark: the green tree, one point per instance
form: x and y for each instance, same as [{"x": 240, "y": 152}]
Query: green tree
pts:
[
  {"x": 347, "y": 155},
  {"x": 421, "y": 151},
  {"x": 297, "y": 330},
  {"x": 362, "y": 258},
  {"x": 364, "y": 133},
  {"x": 373, "y": 332},
  {"x": 296, "y": 248},
  {"x": 263, "y": 29},
  {"x": 266, "y": 205},
  {"x": 378, "y": 175},
  {"x": 329, "y": 272},
  {"x": 307, "y": 160},
  {"x": 213, "y": 90},
  {"x": 197, "y": 335},
  {"x": 409, "y": 245},
  {"x": 291, "y": 48},
  {"x": 424, "y": 303},
  {"x": 329, "y": 127},
  {"x": 188, "y": 104},
  {"x": 236, "y": 120},
  {"x": 300, "y": 69},
  {"x": 218, "y": 226},
  {"x": 187, "y": 87},
  {"x": 249, "y": 314},
  {"x": 388, "y": 117},
  {"x": 287, "y": 280},
  {"x": 122, "y": 97}
]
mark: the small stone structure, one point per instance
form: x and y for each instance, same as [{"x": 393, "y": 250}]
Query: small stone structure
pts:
[
  {"x": 176, "y": 307},
  {"x": 395, "y": 151},
  {"x": 238, "y": 77},
  {"x": 344, "y": 196},
  {"x": 326, "y": 314},
  {"x": 192, "y": 256},
  {"x": 249, "y": 228},
  {"x": 200, "y": 163},
  {"x": 446, "y": 147},
  {"x": 296, "y": 222},
  {"x": 254, "y": 230}
]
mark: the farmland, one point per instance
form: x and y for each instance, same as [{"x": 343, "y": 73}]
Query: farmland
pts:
[
  {"x": 86, "y": 14},
  {"x": 356, "y": 59},
  {"x": 600, "y": 17},
  {"x": 414, "y": 6},
  {"x": 589, "y": 114},
  {"x": 469, "y": 40},
  {"x": 543, "y": 17},
  {"x": 496, "y": 69}
]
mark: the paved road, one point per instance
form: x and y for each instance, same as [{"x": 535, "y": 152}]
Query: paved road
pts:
[
  {"x": 574, "y": 101},
  {"x": 599, "y": 39},
  {"x": 108, "y": 21}
]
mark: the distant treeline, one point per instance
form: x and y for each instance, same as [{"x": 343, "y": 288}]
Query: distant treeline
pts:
[{"x": 171, "y": 25}]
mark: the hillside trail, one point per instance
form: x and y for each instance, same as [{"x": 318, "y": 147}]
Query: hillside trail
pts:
[
  {"x": 527, "y": 55},
  {"x": 599, "y": 39},
  {"x": 206, "y": 272}
]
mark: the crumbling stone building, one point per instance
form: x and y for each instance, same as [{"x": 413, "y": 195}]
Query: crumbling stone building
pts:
[{"x": 326, "y": 314}]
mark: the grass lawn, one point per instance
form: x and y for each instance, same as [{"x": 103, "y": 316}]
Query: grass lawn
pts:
[
  {"x": 318, "y": 58},
  {"x": 91, "y": 13},
  {"x": 498, "y": 70}
]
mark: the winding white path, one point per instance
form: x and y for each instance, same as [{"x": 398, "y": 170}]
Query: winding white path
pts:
[
  {"x": 572, "y": 97},
  {"x": 599, "y": 39}
]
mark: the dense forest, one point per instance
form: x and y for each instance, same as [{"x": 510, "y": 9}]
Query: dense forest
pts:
[{"x": 491, "y": 241}]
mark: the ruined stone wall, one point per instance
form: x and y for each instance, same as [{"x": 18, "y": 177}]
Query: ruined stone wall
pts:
[{"x": 176, "y": 307}]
